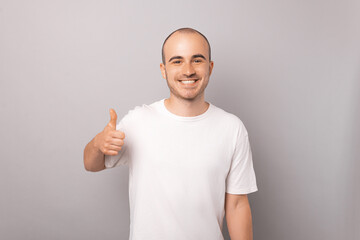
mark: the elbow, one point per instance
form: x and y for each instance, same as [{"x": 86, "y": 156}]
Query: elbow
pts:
[
  {"x": 87, "y": 168},
  {"x": 92, "y": 165},
  {"x": 93, "y": 169}
]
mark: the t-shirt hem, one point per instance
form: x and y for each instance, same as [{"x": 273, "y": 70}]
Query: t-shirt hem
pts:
[{"x": 242, "y": 191}]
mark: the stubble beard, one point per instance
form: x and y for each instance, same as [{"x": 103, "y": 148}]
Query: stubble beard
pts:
[{"x": 179, "y": 96}]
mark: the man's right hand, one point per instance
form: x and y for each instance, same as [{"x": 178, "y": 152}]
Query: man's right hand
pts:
[{"x": 110, "y": 140}]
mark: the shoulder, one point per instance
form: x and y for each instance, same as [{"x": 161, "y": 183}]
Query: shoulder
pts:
[
  {"x": 230, "y": 120},
  {"x": 227, "y": 117},
  {"x": 139, "y": 112}
]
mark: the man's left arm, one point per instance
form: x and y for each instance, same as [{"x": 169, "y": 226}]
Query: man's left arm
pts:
[{"x": 238, "y": 216}]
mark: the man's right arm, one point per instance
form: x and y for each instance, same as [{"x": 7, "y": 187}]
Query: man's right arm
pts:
[
  {"x": 94, "y": 159},
  {"x": 107, "y": 142}
]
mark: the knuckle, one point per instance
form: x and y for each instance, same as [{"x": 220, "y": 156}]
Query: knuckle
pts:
[
  {"x": 103, "y": 150},
  {"x": 121, "y": 134}
]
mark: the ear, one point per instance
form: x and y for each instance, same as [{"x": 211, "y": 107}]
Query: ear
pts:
[
  {"x": 211, "y": 67},
  {"x": 163, "y": 70}
]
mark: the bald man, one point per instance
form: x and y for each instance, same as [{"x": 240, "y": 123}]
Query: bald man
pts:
[{"x": 190, "y": 162}]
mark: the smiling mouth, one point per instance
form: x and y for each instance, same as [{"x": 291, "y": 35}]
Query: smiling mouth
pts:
[{"x": 188, "y": 81}]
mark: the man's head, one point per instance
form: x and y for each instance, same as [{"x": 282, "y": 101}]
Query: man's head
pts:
[
  {"x": 184, "y": 30},
  {"x": 186, "y": 56}
]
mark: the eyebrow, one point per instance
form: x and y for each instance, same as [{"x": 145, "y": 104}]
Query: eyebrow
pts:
[{"x": 193, "y": 56}]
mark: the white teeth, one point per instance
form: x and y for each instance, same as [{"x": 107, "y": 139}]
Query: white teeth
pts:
[{"x": 188, "y": 81}]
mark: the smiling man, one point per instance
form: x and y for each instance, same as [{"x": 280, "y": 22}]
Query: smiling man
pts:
[
  {"x": 186, "y": 67},
  {"x": 190, "y": 162}
]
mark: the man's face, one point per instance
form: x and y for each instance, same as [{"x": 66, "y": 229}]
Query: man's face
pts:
[{"x": 186, "y": 58}]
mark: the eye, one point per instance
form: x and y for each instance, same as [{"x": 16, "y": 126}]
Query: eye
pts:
[
  {"x": 176, "y": 62},
  {"x": 198, "y": 60}
]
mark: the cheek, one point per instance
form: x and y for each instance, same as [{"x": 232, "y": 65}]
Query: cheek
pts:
[
  {"x": 172, "y": 73},
  {"x": 202, "y": 72},
  {"x": 203, "y": 69}
]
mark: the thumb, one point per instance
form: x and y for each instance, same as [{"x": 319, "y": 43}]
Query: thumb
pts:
[{"x": 113, "y": 118}]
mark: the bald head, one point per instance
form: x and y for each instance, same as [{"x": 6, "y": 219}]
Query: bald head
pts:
[{"x": 185, "y": 31}]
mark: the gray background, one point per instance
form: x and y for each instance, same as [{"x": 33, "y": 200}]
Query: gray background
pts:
[{"x": 289, "y": 69}]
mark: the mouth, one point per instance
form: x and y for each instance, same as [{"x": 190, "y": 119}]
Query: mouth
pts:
[{"x": 188, "y": 82}]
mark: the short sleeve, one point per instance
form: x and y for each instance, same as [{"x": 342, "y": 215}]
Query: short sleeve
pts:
[
  {"x": 241, "y": 177},
  {"x": 123, "y": 156}
]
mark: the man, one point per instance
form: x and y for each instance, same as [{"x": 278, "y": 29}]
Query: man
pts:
[{"x": 190, "y": 162}]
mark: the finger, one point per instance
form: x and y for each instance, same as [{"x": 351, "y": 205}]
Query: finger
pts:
[
  {"x": 111, "y": 153},
  {"x": 116, "y": 142},
  {"x": 113, "y": 118},
  {"x": 113, "y": 148},
  {"x": 118, "y": 134}
]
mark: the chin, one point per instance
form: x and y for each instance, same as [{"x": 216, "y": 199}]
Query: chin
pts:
[{"x": 193, "y": 97}]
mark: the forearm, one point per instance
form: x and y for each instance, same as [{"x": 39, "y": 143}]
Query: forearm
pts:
[
  {"x": 94, "y": 159},
  {"x": 239, "y": 223}
]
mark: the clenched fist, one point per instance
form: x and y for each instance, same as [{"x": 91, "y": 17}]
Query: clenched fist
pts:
[{"x": 110, "y": 140}]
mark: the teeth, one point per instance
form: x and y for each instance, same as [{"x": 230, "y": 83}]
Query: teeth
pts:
[{"x": 191, "y": 81}]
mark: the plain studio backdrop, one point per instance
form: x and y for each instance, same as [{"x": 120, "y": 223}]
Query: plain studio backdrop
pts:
[{"x": 290, "y": 70}]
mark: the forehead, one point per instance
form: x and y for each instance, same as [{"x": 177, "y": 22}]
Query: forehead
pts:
[{"x": 185, "y": 45}]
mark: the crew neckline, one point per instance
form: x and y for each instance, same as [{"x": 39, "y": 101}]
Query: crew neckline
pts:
[{"x": 183, "y": 118}]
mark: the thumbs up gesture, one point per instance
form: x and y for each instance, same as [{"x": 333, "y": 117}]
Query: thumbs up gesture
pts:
[{"x": 110, "y": 140}]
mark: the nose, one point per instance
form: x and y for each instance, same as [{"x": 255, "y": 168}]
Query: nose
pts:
[{"x": 188, "y": 70}]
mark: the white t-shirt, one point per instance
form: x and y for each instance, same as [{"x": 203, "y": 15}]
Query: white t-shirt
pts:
[{"x": 179, "y": 170}]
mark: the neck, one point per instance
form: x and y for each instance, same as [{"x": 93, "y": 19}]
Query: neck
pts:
[{"x": 186, "y": 108}]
